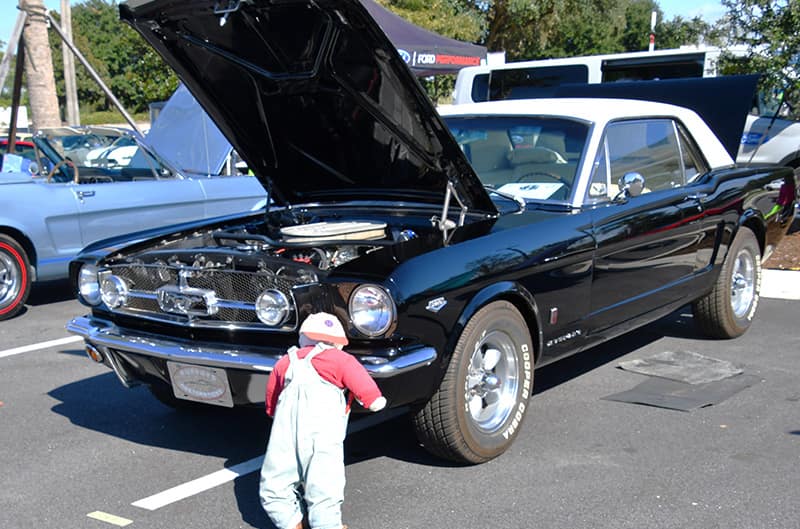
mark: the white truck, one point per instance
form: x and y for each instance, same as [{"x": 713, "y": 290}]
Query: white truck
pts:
[{"x": 765, "y": 139}]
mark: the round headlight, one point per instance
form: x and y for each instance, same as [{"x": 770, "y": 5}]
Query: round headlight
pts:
[
  {"x": 272, "y": 307},
  {"x": 113, "y": 291},
  {"x": 88, "y": 284},
  {"x": 371, "y": 310}
]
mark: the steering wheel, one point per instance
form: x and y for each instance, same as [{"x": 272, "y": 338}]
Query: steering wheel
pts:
[
  {"x": 57, "y": 166},
  {"x": 533, "y": 174}
]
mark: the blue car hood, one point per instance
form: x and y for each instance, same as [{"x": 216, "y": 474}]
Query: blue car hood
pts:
[{"x": 185, "y": 135}]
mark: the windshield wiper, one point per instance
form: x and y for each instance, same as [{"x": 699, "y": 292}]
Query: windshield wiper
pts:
[{"x": 519, "y": 200}]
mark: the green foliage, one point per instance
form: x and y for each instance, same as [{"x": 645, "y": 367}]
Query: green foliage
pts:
[
  {"x": 769, "y": 29},
  {"x": 445, "y": 17},
  {"x": 679, "y": 32},
  {"x": 130, "y": 68},
  {"x": 636, "y": 35},
  {"x": 554, "y": 28},
  {"x": 104, "y": 117}
]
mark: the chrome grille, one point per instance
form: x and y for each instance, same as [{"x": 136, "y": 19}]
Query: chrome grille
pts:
[{"x": 235, "y": 290}]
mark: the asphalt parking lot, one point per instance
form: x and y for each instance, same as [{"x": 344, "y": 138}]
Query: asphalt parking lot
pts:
[{"x": 79, "y": 451}]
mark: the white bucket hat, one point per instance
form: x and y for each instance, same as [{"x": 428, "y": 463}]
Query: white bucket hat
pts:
[{"x": 324, "y": 327}]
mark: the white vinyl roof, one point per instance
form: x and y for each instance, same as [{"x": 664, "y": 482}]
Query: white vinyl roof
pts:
[{"x": 599, "y": 112}]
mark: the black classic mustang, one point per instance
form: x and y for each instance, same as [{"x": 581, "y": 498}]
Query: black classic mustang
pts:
[{"x": 460, "y": 249}]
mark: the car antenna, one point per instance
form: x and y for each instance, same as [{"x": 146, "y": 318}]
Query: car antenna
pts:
[{"x": 765, "y": 135}]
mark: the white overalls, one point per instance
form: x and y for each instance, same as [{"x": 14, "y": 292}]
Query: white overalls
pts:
[{"x": 305, "y": 455}]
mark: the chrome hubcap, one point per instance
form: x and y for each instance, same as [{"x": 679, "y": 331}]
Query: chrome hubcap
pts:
[
  {"x": 743, "y": 284},
  {"x": 492, "y": 383},
  {"x": 9, "y": 279}
]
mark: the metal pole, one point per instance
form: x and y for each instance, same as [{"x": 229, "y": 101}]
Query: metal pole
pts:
[
  {"x": 13, "y": 44},
  {"x": 652, "y": 31},
  {"x": 16, "y": 95},
  {"x": 73, "y": 114},
  {"x": 94, "y": 75}
]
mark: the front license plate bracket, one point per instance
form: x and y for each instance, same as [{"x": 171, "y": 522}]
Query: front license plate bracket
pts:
[{"x": 200, "y": 383}]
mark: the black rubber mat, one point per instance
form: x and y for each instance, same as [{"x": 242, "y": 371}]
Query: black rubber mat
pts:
[
  {"x": 674, "y": 395},
  {"x": 683, "y": 366}
]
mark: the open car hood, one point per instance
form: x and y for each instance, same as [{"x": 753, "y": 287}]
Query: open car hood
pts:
[
  {"x": 183, "y": 134},
  {"x": 313, "y": 96}
]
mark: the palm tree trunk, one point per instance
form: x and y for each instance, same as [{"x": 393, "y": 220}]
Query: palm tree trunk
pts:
[{"x": 41, "y": 81}]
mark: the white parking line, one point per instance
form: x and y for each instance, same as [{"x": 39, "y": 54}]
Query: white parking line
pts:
[
  {"x": 110, "y": 518},
  {"x": 190, "y": 488},
  {"x": 196, "y": 486},
  {"x": 41, "y": 345}
]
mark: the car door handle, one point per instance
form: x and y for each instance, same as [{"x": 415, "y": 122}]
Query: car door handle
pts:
[
  {"x": 697, "y": 196},
  {"x": 84, "y": 194}
]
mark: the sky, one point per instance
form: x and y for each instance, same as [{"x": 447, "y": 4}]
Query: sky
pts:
[
  {"x": 9, "y": 12},
  {"x": 710, "y": 10}
]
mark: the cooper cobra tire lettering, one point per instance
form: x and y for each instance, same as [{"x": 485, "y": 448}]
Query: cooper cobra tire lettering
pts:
[{"x": 527, "y": 382}]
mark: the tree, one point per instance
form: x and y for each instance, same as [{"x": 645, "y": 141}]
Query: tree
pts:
[
  {"x": 681, "y": 32},
  {"x": 133, "y": 71},
  {"x": 769, "y": 30},
  {"x": 636, "y": 35},
  {"x": 39, "y": 67},
  {"x": 445, "y": 17},
  {"x": 552, "y": 28}
]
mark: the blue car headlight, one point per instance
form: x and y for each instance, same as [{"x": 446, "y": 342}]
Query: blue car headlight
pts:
[{"x": 372, "y": 310}]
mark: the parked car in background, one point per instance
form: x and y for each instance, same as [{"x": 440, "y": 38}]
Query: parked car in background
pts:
[
  {"x": 27, "y": 154},
  {"x": 118, "y": 154},
  {"x": 47, "y": 219},
  {"x": 459, "y": 251}
]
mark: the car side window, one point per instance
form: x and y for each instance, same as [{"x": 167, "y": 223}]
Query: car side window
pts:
[
  {"x": 649, "y": 147},
  {"x": 600, "y": 187},
  {"x": 694, "y": 164}
]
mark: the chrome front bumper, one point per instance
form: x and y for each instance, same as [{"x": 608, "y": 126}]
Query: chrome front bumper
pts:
[{"x": 106, "y": 335}]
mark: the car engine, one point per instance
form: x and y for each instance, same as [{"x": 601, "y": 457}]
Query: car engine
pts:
[{"x": 240, "y": 276}]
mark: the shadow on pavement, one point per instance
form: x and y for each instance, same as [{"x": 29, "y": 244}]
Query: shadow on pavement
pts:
[
  {"x": 101, "y": 404},
  {"x": 46, "y": 292},
  {"x": 679, "y": 324}
]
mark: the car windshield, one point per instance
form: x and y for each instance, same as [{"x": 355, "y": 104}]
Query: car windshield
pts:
[
  {"x": 86, "y": 151},
  {"x": 75, "y": 146},
  {"x": 533, "y": 158}
]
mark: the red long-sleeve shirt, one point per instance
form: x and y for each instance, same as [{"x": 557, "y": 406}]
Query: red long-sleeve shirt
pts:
[{"x": 334, "y": 365}]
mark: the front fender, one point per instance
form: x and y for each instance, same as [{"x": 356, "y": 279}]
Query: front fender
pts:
[{"x": 505, "y": 290}]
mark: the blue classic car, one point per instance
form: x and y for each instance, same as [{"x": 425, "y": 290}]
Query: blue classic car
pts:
[
  {"x": 460, "y": 250},
  {"x": 47, "y": 217}
]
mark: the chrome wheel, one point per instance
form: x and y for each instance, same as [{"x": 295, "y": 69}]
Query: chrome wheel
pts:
[
  {"x": 743, "y": 281},
  {"x": 492, "y": 383},
  {"x": 728, "y": 310},
  {"x": 9, "y": 279},
  {"x": 478, "y": 409},
  {"x": 15, "y": 284}
]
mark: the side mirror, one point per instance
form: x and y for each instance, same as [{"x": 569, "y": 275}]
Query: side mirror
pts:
[{"x": 630, "y": 185}]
